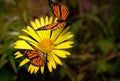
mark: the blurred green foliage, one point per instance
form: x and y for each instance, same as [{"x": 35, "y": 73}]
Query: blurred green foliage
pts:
[{"x": 96, "y": 28}]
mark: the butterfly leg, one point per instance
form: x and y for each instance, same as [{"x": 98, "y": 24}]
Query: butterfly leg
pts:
[{"x": 41, "y": 28}]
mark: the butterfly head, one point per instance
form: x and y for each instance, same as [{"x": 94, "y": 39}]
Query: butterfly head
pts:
[{"x": 60, "y": 21}]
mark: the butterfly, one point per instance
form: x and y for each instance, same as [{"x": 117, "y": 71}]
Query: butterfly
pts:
[
  {"x": 35, "y": 56},
  {"x": 61, "y": 12}
]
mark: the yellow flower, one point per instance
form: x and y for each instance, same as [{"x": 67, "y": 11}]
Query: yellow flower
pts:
[{"x": 53, "y": 44}]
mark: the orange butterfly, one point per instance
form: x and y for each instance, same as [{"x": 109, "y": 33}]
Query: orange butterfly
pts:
[
  {"x": 36, "y": 56},
  {"x": 61, "y": 12}
]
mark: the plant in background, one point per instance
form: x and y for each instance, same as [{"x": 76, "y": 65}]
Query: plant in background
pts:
[{"x": 43, "y": 47}]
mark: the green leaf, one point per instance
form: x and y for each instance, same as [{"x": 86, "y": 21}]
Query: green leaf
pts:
[
  {"x": 102, "y": 66},
  {"x": 105, "y": 44},
  {"x": 6, "y": 75},
  {"x": 75, "y": 27},
  {"x": 12, "y": 62},
  {"x": 3, "y": 60}
]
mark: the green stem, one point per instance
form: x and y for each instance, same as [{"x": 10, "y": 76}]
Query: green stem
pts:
[{"x": 70, "y": 73}]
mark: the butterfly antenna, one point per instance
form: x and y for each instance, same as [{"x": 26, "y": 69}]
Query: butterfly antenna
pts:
[{"x": 52, "y": 2}]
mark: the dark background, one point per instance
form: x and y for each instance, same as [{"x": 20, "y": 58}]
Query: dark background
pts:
[{"x": 96, "y": 28}]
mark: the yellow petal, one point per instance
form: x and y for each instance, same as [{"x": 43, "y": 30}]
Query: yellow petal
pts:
[
  {"x": 33, "y": 34},
  {"x": 21, "y": 44},
  {"x": 61, "y": 53},
  {"x": 62, "y": 38},
  {"x": 65, "y": 30},
  {"x": 51, "y": 60},
  {"x": 24, "y": 62},
  {"x": 55, "y": 20},
  {"x": 26, "y": 31},
  {"x": 33, "y": 24},
  {"x": 28, "y": 39},
  {"x": 18, "y": 54},
  {"x": 57, "y": 60},
  {"x": 49, "y": 66},
  {"x": 64, "y": 35},
  {"x": 64, "y": 45},
  {"x": 56, "y": 33},
  {"x": 31, "y": 68},
  {"x": 44, "y": 34},
  {"x": 36, "y": 69},
  {"x": 38, "y": 25},
  {"x": 46, "y": 20},
  {"x": 50, "y": 20},
  {"x": 42, "y": 69},
  {"x": 42, "y": 22}
]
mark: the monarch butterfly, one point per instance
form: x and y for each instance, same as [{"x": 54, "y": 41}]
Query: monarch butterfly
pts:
[
  {"x": 35, "y": 56},
  {"x": 61, "y": 12}
]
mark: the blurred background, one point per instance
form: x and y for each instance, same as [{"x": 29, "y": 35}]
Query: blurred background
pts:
[{"x": 96, "y": 28}]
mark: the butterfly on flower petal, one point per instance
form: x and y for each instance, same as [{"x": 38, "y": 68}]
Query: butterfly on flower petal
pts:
[
  {"x": 59, "y": 11},
  {"x": 35, "y": 56}
]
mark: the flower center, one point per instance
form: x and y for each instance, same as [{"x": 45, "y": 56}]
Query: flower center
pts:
[{"x": 46, "y": 45}]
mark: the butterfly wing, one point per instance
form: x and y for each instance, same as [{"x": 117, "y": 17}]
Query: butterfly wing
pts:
[
  {"x": 55, "y": 8},
  {"x": 52, "y": 26},
  {"x": 36, "y": 57},
  {"x": 60, "y": 11},
  {"x": 59, "y": 25},
  {"x": 65, "y": 12}
]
